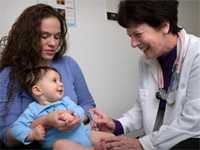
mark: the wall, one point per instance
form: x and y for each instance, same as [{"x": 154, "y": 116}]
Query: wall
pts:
[
  {"x": 102, "y": 49},
  {"x": 189, "y": 11},
  {"x": 198, "y": 17},
  {"x": 9, "y": 11}
]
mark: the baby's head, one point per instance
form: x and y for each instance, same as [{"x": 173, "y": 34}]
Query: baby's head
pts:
[{"x": 44, "y": 84}]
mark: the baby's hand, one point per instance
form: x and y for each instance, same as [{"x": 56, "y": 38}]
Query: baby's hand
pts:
[
  {"x": 69, "y": 119},
  {"x": 37, "y": 133},
  {"x": 67, "y": 116}
]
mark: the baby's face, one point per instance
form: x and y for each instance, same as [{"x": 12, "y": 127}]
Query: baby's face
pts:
[{"x": 51, "y": 86}]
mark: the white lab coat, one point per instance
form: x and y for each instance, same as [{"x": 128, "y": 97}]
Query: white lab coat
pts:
[{"x": 181, "y": 119}]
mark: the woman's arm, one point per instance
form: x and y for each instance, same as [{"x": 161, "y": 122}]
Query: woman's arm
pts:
[
  {"x": 37, "y": 133},
  {"x": 85, "y": 99},
  {"x": 9, "y": 110},
  {"x": 11, "y": 141}
]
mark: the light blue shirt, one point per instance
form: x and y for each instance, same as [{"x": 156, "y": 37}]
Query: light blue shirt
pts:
[
  {"x": 22, "y": 126},
  {"x": 75, "y": 88}
]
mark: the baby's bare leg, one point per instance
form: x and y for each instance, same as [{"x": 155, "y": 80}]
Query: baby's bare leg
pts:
[
  {"x": 96, "y": 136},
  {"x": 68, "y": 145}
]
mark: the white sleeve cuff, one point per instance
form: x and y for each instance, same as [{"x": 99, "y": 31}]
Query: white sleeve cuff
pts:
[{"x": 146, "y": 143}]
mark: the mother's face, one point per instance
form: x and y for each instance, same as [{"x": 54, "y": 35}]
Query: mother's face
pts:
[
  {"x": 50, "y": 37},
  {"x": 148, "y": 39}
]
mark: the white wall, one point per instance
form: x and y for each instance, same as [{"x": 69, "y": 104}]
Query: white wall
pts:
[
  {"x": 102, "y": 49},
  {"x": 9, "y": 11},
  {"x": 198, "y": 18},
  {"x": 189, "y": 15}
]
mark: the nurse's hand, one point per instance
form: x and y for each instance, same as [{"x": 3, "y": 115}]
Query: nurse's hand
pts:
[
  {"x": 101, "y": 121},
  {"x": 119, "y": 143}
]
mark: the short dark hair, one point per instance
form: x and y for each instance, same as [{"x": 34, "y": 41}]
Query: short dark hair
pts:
[
  {"x": 151, "y": 12},
  {"x": 34, "y": 75}
]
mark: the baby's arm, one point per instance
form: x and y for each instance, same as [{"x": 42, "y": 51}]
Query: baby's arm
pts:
[{"x": 37, "y": 133}]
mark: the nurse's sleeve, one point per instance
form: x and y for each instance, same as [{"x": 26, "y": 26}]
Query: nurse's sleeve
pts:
[{"x": 132, "y": 120}]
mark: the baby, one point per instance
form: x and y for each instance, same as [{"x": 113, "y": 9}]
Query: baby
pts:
[{"x": 45, "y": 85}]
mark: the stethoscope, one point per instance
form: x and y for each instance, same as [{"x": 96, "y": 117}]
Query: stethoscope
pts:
[{"x": 162, "y": 94}]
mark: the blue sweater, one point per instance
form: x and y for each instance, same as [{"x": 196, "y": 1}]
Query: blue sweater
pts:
[{"x": 75, "y": 88}]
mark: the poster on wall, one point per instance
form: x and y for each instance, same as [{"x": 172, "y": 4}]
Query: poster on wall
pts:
[
  {"x": 65, "y": 7},
  {"x": 112, "y": 9}
]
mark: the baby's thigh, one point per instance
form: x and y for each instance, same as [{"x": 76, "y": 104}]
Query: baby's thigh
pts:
[{"x": 65, "y": 144}]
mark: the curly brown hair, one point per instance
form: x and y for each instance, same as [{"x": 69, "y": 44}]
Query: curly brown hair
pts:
[{"x": 22, "y": 50}]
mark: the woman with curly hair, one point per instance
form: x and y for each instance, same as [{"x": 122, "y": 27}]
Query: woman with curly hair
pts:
[{"x": 37, "y": 38}]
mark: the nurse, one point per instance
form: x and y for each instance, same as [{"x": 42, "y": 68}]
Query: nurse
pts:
[{"x": 167, "y": 109}]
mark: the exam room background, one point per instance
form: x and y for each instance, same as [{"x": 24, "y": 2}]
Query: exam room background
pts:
[{"x": 102, "y": 48}]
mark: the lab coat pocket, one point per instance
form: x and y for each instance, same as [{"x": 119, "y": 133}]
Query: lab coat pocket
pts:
[{"x": 143, "y": 95}]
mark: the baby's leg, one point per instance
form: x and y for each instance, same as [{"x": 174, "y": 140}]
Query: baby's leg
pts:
[
  {"x": 68, "y": 145},
  {"x": 96, "y": 136}
]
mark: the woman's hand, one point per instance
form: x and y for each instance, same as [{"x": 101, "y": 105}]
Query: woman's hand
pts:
[
  {"x": 37, "y": 133},
  {"x": 63, "y": 120},
  {"x": 70, "y": 120},
  {"x": 11, "y": 141},
  {"x": 58, "y": 119},
  {"x": 101, "y": 121},
  {"x": 119, "y": 143}
]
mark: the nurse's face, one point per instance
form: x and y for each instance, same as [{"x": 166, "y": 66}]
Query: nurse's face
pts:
[{"x": 148, "y": 39}]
